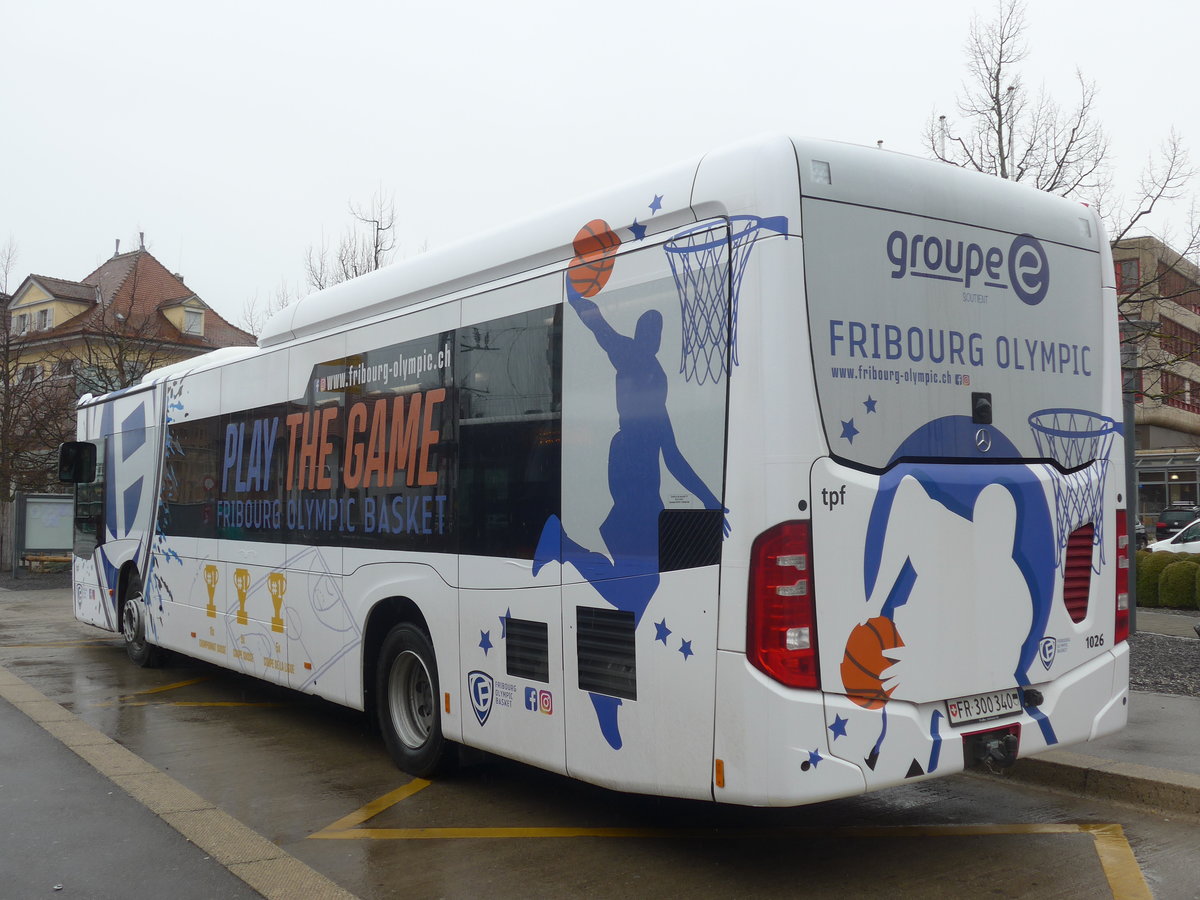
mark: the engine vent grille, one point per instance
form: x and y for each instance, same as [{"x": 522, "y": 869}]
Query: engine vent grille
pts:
[
  {"x": 605, "y": 646},
  {"x": 527, "y": 649}
]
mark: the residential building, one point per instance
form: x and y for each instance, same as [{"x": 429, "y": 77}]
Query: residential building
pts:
[
  {"x": 104, "y": 332},
  {"x": 1159, "y": 290},
  {"x": 129, "y": 316}
]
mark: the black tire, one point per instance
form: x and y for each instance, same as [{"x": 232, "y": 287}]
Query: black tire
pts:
[
  {"x": 138, "y": 648},
  {"x": 406, "y": 691}
]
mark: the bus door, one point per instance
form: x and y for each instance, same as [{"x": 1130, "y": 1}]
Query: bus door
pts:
[{"x": 90, "y": 605}]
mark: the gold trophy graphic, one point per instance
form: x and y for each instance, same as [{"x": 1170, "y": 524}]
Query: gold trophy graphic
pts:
[
  {"x": 277, "y": 585},
  {"x": 241, "y": 581},
  {"x": 210, "y": 578}
]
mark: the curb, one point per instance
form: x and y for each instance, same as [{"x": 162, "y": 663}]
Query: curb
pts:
[
  {"x": 1162, "y": 790},
  {"x": 264, "y": 866}
]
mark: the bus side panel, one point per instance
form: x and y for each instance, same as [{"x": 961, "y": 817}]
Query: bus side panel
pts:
[
  {"x": 772, "y": 413},
  {"x": 508, "y": 379},
  {"x": 378, "y": 577},
  {"x": 657, "y": 737},
  {"x": 643, "y": 516},
  {"x": 255, "y": 591}
]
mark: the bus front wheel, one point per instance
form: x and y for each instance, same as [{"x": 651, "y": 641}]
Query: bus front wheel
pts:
[{"x": 407, "y": 691}]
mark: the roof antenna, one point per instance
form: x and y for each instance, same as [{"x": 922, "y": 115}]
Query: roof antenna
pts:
[
  {"x": 117, "y": 251},
  {"x": 141, "y": 240}
]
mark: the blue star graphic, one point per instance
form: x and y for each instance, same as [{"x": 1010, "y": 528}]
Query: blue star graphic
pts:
[
  {"x": 814, "y": 758},
  {"x": 662, "y": 631},
  {"x": 849, "y": 431},
  {"x": 656, "y": 204},
  {"x": 869, "y": 403},
  {"x": 838, "y": 727},
  {"x": 639, "y": 231},
  {"x": 485, "y": 641},
  {"x": 685, "y": 647},
  {"x": 504, "y": 623}
]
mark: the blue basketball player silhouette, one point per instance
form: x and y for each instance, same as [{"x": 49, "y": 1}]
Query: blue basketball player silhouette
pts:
[{"x": 644, "y": 434}]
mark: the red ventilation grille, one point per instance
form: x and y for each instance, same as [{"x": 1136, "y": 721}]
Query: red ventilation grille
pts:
[{"x": 1077, "y": 572}]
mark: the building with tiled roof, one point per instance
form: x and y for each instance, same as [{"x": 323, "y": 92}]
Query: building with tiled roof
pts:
[
  {"x": 63, "y": 338},
  {"x": 125, "y": 318}
]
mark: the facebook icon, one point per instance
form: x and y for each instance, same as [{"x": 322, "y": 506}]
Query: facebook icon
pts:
[{"x": 531, "y": 698}]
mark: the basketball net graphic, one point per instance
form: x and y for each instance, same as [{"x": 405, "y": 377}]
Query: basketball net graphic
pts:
[
  {"x": 707, "y": 262},
  {"x": 1075, "y": 438}
]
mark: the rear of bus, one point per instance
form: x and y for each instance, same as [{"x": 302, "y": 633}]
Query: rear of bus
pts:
[{"x": 956, "y": 586}]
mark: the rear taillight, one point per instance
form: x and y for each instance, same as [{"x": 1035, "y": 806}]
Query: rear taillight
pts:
[
  {"x": 1121, "y": 626},
  {"x": 781, "y": 634}
]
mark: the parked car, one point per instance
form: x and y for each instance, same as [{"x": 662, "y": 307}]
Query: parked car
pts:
[
  {"x": 1172, "y": 519},
  {"x": 1186, "y": 540}
]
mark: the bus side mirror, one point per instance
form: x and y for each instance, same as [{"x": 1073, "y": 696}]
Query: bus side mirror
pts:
[{"x": 77, "y": 462}]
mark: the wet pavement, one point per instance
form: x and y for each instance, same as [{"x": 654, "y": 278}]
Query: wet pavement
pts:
[
  {"x": 69, "y": 831},
  {"x": 200, "y": 783}
]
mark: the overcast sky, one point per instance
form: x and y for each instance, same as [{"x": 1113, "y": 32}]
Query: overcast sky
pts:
[{"x": 235, "y": 133}]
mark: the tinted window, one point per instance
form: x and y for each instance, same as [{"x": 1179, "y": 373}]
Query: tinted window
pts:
[{"x": 510, "y": 411}]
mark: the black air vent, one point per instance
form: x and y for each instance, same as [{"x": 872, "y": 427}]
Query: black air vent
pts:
[
  {"x": 604, "y": 643},
  {"x": 689, "y": 538},
  {"x": 527, "y": 649}
]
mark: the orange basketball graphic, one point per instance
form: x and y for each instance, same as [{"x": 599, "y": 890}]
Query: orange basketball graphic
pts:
[
  {"x": 865, "y": 661},
  {"x": 595, "y": 246}
]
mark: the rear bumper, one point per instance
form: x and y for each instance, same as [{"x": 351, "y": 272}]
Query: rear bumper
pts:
[{"x": 785, "y": 747}]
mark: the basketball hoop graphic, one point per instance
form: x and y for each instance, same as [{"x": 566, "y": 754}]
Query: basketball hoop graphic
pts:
[
  {"x": 707, "y": 262},
  {"x": 1079, "y": 441}
]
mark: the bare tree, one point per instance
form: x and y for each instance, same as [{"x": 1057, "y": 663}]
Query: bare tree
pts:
[
  {"x": 35, "y": 417},
  {"x": 369, "y": 243},
  {"x": 1006, "y": 131},
  {"x": 8, "y": 260},
  {"x": 255, "y": 313}
]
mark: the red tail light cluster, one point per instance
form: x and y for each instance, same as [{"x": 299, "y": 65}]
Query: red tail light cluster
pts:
[
  {"x": 781, "y": 636},
  {"x": 1077, "y": 572},
  {"x": 1121, "y": 628}
]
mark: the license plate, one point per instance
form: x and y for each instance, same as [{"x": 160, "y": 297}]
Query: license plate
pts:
[{"x": 978, "y": 707}]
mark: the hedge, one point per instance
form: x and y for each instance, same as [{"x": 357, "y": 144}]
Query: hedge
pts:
[
  {"x": 1177, "y": 584},
  {"x": 1149, "y": 568}
]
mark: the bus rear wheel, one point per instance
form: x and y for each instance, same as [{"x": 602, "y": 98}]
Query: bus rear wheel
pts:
[
  {"x": 407, "y": 691},
  {"x": 133, "y": 628}
]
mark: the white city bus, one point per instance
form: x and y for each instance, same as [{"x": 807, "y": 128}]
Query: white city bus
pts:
[{"x": 784, "y": 474}]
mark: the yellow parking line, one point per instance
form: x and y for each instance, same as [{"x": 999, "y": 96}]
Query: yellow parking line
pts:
[
  {"x": 223, "y": 703},
  {"x": 171, "y": 687},
  {"x": 188, "y": 704},
  {"x": 372, "y": 809},
  {"x": 1117, "y": 861},
  {"x": 128, "y": 699}
]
